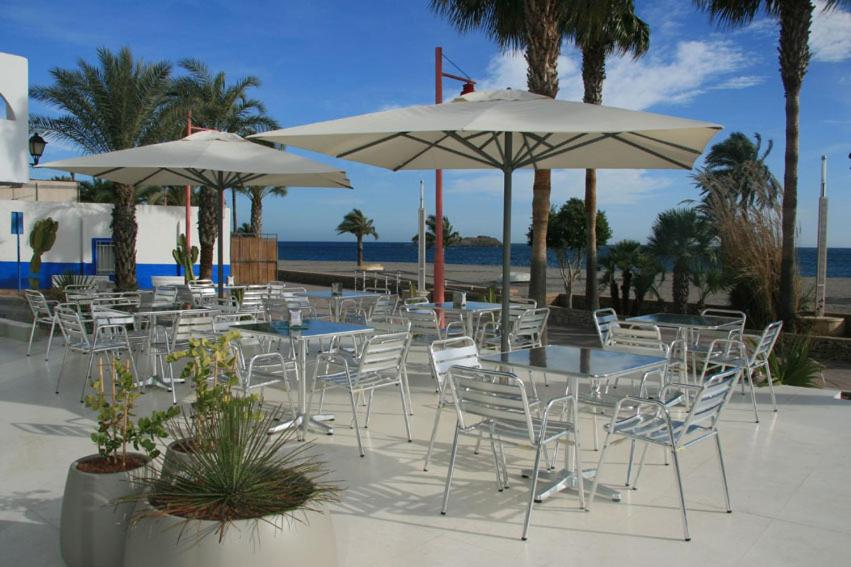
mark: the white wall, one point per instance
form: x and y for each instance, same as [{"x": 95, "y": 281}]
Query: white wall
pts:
[{"x": 14, "y": 119}]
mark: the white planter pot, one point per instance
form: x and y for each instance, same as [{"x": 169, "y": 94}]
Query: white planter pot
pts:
[
  {"x": 92, "y": 526},
  {"x": 168, "y": 541}
]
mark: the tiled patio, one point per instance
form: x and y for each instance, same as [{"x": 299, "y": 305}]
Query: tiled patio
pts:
[{"x": 788, "y": 478}]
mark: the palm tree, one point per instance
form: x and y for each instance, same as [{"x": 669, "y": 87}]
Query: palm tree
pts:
[
  {"x": 356, "y": 223},
  {"x": 684, "y": 238},
  {"x": 115, "y": 104},
  {"x": 451, "y": 236},
  {"x": 645, "y": 278},
  {"x": 598, "y": 34},
  {"x": 223, "y": 106},
  {"x": 741, "y": 161},
  {"x": 257, "y": 194},
  {"x": 245, "y": 229},
  {"x": 625, "y": 257},
  {"x": 795, "y": 17},
  {"x": 536, "y": 26}
]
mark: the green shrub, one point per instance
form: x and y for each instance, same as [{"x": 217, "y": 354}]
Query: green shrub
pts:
[{"x": 790, "y": 363}]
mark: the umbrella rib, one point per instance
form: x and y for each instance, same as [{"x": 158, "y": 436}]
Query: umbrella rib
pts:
[
  {"x": 666, "y": 143},
  {"x": 105, "y": 172},
  {"x": 563, "y": 148},
  {"x": 651, "y": 152},
  {"x": 539, "y": 141},
  {"x": 485, "y": 158},
  {"x": 148, "y": 177},
  {"x": 196, "y": 177},
  {"x": 489, "y": 141},
  {"x": 371, "y": 144},
  {"x": 419, "y": 153},
  {"x": 447, "y": 149}
]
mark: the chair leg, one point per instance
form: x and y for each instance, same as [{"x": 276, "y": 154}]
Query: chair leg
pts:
[
  {"x": 753, "y": 395},
  {"x": 88, "y": 377},
  {"x": 434, "y": 430},
  {"x": 405, "y": 414},
  {"x": 723, "y": 473},
  {"x": 629, "y": 462},
  {"x": 449, "y": 472},
  {"x": 478, "y": 444},
  {"x": 32, "y": 334},
  {"x": 534, "y": 489},
  {"x": 50, "y": 339},
  {"x": 407, "y": 391},
  {"x": 641, "y": 465},
  {"x": 677, "y": 474},
  {"x": 355, "y": 418},
  {"x": 61, "y": 369},
  {"x": 369, "y": 408},
  {"x": 770, "y": 386},
  {"x": 600, "y": 464},
  {"x": 496, "y": 464}
]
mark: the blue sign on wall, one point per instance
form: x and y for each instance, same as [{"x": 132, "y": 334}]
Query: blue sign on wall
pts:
[{"x": 17, "y": 222}]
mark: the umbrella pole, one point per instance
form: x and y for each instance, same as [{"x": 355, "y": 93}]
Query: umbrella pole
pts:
[
  {"x": 506, "y": 243},
  {"x": 221, "y": 249}
]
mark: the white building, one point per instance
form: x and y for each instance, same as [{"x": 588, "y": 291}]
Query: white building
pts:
[{"x": 84, "y": 240}]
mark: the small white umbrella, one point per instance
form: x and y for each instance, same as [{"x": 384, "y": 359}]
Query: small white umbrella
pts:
[
  {"x": 507, "y": 130},
  {"x": 209, "y": 158}
]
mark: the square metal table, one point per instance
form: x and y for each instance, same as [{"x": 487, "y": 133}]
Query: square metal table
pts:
[
  {"x": 467, "y": 311},
  {"x": 576, "y": 363},
  {"x": 335, "y": 300},
  {"x": 312, "y": 329},
  {"x": 687, "y": 321}
]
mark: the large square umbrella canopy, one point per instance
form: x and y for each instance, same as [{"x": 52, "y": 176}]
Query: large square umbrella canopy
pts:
[
  {"x": 507, "y": 130},
  {"x": 209, "y": 158}
]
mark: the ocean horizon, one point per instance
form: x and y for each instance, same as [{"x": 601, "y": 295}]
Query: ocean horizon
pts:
[{"x": 838, "y": 259}]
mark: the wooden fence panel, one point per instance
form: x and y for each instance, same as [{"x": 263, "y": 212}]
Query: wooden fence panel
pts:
[{"x": 254, "y": 259}]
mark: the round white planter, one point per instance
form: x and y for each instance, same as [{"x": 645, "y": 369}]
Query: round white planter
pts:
[
  {"x": 169, "y": 541},
  {"x": 92, "y": 526}
]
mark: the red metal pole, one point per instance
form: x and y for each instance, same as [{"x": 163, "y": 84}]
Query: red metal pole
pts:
[
  {"x": 187, "y": 194},
  {"x": 438, "y": 293}
]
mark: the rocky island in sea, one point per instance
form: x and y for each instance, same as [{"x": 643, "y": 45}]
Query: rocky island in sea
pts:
[{"x": 485, "y": 241}]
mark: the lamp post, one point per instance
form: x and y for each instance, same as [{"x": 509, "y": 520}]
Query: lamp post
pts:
[{"x": 36, "y": 146}]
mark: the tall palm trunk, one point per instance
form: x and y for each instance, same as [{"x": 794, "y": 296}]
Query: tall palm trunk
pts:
[
  {"x": 256, "y": 212},
  {"x": 795, "y": 19},
  {"x": 543, "y": 44},
  {"x": 613, "y": 291},
  {"x": 593, "y": 75},
  {"x": 207, "y": 229},
  {"x": 124, "y": 230},
  {"x": 360, "y": 250},
  {"x": 680, "y": 287}
]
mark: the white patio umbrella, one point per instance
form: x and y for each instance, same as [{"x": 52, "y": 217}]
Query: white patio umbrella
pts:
[
  {"x": 507, "y": 130},
  {"x": 209, "y": 158}
]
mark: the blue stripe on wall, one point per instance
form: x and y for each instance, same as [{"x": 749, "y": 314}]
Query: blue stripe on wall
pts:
[{"x": 9, "y": 272}]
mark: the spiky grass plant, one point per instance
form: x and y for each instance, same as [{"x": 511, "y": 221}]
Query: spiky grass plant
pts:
[
  {"x": 245, "y": 474},
  {"x": 791, "y": 364}
]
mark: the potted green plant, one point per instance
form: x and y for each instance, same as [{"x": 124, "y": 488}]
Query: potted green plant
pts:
[
  {"x": 247, "y": 499},
  {"x": 93, "y": 525},
  {"x": 211, "y": 368}
]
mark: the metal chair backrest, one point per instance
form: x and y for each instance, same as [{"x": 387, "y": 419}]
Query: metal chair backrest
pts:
[
  {"x": 254, "y": 298},
  {"x": 203, "y": 291},
  {"x": 417, "y": 300},
  {"x": 297, "y": 301},
  {"x": 384, "y": 307},
  {"x": 605, "y": 320},
  {"x": 37, "y": 303},
  {"x": 424, "y": 322},
  {"x": 766, "y": 342},
  {"x": 638, "y": 338},
  {"x": 444, "y": 354},
  {"x": 520, "y": 305},
  {"x": 72, "y": 326},
  {"x": 291, "y": 291},
  {"x": 192, "y": 324},
  {"x": 383, "y": 354},
  {"x": 710, "y": 400},
  {"x": 165, "y": 295},
  {"x": 530, "y": 326},
  {"x": 276, "y": 289},
  {"x": 117, "y": 300},
  {"x": 492, "y": 396}
]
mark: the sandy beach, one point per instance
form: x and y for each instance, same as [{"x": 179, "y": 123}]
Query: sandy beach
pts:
[{"x": 838, "y": 289}]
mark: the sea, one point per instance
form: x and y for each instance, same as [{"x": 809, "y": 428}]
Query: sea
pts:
[{"x": 838, "y": 259}]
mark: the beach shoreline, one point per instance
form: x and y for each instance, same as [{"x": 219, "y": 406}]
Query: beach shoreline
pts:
[{"x": 838, "y": 289}]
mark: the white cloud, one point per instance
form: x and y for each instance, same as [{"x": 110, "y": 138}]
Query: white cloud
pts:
[
  {"x": 830, "y": 36},
  {"x": 672, "y": 76}
]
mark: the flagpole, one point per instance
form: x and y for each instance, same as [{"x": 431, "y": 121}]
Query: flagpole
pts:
[
  {"x": 821, "y": 269},
  {"x": 421, "y": 242}
]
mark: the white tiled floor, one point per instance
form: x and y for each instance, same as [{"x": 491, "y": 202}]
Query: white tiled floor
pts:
[{"x": 788, "y": 474}]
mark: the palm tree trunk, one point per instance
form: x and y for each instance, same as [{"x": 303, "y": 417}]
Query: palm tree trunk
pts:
[
  {"x": 613, "y": 291},
  {"x": 124, "y": 230},
  {"x": 795, "y": 19},
  {"x": 626, "y": 285},
  {"x": 593, "y": 75},
  {"x": 543, "y": 45},
  {"x": 256, "y": 212},
  {"x": 207, "y": 229},
  {"x": 360, "y": 250},
  {"x": 680, "y": 288}
]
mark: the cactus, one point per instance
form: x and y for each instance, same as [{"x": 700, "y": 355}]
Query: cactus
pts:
[
  {"x": 42, "y": 238},
  {"x": 185, "y": 258}
]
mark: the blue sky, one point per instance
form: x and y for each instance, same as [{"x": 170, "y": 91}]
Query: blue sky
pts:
[{"x": 319, "y": 60}]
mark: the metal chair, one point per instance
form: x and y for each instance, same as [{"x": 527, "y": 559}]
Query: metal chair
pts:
[
  {"x": 651, "y": 423},
  {"x": 108, "y": 339},
  {"x": 425, "y": 325},
  {"x": 42, "y": 312},
  {"x": 527, "y": 331},
  {"x": 165, "y": 295},
  {"x": 254, "y": 298},
  {"x": 258, "y": 366},
  {"x": 383, "y": 309},
  {"x": 198, "y": 323},
  {"x": 496, "y": 403},
  {"x": 443, "y": 355},
  {"x": 379, "y": 365},
  {"x": 604, "y": 321}
]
